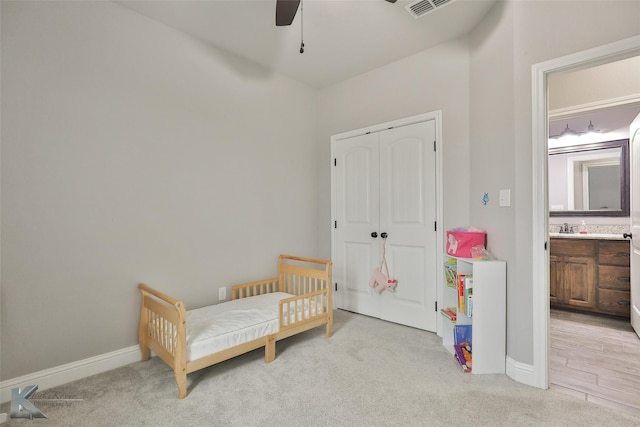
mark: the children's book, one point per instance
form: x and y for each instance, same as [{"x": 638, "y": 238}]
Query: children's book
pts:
[
  {"x": 461, "y": 303},
  {"x": 450, "y": 272},
  {"x": 462, "y": 334},
  {"x": 452, "y": 312},
  {"x": 468, "y": 295},
  {"x": 449, "y": 313},
  {"x": 463, "y": 355}
]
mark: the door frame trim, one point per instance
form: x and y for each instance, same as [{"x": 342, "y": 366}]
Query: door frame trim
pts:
[
  {"x": 615, "y": 51},
  {"x": 437, "y": 117}
]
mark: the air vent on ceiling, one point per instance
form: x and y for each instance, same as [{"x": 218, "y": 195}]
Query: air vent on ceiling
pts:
[{"x": 422, "y": 7}]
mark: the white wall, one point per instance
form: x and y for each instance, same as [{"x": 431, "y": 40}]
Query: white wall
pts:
[
  {"x": 492, "y": 158},
  {"x": 605, "y": 22},
  {"x": 131, "y": 152},
  {"x": 620, "y": 79},
  {"x": 435, "y": 79},
  {"x": 492, "y": 125},
  {"x": 530, "y": 32}
]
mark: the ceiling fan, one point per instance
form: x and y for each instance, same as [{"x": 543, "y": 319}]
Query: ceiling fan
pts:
[{"x": 286, "y": 11}]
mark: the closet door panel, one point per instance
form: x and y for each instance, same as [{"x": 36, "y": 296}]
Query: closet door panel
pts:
[
  {"x": 355, "y": 291},
  {"x": 404, "y": 190},
  {"x": 404, "y": 259},
  {"x": 408, "y": 216},
  {"x": 357, "y": 215}
]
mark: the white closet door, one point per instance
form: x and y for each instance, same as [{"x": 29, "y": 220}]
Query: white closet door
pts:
[
  {"x": 386, "y": 182},
  {"x": 408, "y": 216},
  {"x": 356, "y": 178}
]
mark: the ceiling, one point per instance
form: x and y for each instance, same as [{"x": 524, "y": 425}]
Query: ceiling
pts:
[{"x": 342, "y": 38}]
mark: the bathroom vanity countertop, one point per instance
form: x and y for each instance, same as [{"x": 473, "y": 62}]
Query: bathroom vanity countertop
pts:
[{"x": 594, "y": 236}]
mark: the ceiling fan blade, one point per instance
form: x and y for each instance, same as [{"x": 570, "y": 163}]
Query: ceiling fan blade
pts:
[{"x": 286, "y": 11}]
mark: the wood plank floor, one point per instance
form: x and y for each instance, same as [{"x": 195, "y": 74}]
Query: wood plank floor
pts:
[{"x": 595, "y": 358}]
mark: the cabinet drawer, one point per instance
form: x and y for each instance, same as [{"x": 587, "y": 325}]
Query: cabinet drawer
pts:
[
  {"x": 573, "y": 247},
  {"x": 614, "y": 277},
  {"x": 614, "y": 302},
  {"x": 614, "y": 253}
]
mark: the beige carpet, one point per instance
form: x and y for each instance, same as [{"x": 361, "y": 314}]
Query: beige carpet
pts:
[{"x": 370, "y": 373}]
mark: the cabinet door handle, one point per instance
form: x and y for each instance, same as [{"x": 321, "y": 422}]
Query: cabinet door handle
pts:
[
  {"x": 624, "y": 254},
  {"x": 624, "y": 303},
  {"x": 624, "y": 279},
  {"x": 374, "y": 234}
]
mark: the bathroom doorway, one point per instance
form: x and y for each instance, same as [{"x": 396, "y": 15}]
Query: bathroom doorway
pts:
[{"x": 593, "y": 356}]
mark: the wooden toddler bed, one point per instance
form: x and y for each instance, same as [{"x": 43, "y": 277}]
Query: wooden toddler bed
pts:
[{"x": 259, "y": 314}]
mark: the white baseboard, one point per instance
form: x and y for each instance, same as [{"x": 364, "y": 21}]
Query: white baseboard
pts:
[
  {"x": 521, "y": 372},
  {"x": 63, "y": 374}
]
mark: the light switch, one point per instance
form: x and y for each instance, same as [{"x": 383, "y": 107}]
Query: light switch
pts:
[{"x": 505, "y": 198}]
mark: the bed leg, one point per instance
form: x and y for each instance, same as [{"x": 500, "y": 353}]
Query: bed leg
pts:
[
  {"x": 143, "y": 331},
  {"x": 145, "y": 352},
  {"x": 270, "y": 349},
  {"x": 181, "y": 379}
]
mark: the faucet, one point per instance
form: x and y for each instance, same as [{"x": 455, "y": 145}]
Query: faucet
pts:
[{"x": 565, "y": 228}]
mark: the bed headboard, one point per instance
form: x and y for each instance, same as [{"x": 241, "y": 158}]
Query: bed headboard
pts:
[{"x": 299, "y": 275}]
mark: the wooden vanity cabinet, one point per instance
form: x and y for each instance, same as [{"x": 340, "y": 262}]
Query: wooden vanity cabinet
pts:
[
  {"x": 573, "y": 273},
  {"x": 590, "y": 275},
  {"x": 614, "y": 277}
]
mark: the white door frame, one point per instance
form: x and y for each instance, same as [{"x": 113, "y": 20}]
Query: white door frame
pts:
[
  {"x": 437, "y": 117},
  {"x": 622, "y": 49}
]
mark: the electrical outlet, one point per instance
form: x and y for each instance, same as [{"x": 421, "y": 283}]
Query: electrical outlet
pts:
[{"x": 222, "y": 294}]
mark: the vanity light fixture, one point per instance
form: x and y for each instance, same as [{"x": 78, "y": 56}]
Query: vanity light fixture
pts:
[
  {"x": 570, "y": 132},
  {"x": 590, "y": 128},
  {"x": 566, "y": 132}
]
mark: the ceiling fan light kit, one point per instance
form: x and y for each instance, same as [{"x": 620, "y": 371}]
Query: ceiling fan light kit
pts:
[{"x": 286, "y": 12}]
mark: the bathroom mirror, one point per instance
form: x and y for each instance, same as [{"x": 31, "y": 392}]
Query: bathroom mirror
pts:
[{"x": 590, "y": 179}]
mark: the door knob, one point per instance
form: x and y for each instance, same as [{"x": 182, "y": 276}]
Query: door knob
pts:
[{"x": 374, "y": 234}]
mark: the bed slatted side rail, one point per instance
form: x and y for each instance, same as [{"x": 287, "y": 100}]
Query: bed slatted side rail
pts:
[
  {"x": 254, "y": 288},
  {"x": 303, "y": 308},
  {"x": 312, "y": 285}
]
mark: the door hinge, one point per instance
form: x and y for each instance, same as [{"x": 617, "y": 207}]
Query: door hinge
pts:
[
  {"x": 436, "y": 306},
  {"x": 335, "y": 224},
  {"x": 434, "y": 146},
  {"x": 335, "y": 161},
  {"x": 435, "y": 226},
  {"x": 545, "y": 246},
  {"x": 336, "y": 286}
]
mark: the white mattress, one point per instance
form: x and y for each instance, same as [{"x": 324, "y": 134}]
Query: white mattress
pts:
[{"x": 218, "y": 327}]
